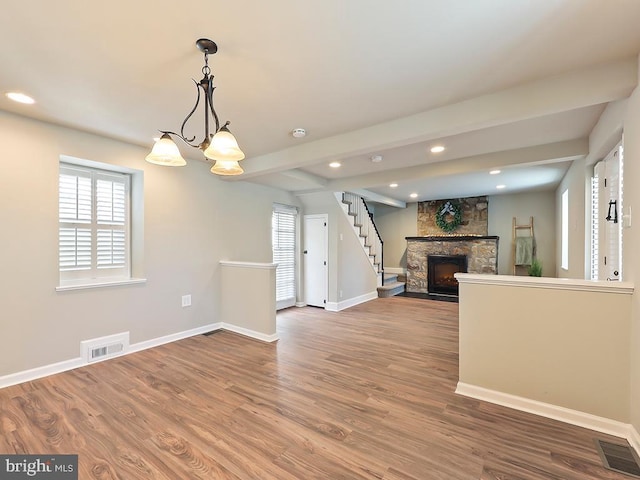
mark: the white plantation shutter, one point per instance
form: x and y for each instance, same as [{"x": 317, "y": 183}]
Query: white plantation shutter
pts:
[
  {"x": 111, "y": 248},
  {"x": 75, "y": 206},
  {"x": 75, "y": 196},
  {"x": 75, "y": 249},
  {"x": 93, "y": 225},
  {"x": 595, "y": 224},
  {"x": 111, "y": 207},
  {"x": 284, "y": 221},
  {"x": 607, "y": 236}
]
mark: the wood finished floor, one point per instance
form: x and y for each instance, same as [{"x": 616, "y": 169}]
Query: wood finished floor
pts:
[{"x": 367, "y": 393}]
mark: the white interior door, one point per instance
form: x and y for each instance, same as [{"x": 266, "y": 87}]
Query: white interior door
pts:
[{"x": 315, "y": 253}]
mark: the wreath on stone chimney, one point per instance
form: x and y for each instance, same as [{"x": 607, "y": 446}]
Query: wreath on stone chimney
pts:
[{"x": 449, "y": 216}]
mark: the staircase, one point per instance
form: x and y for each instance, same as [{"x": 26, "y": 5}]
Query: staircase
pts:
[
  {"x": 364, "y": 226},
  {"x": 390, "y": 286}
]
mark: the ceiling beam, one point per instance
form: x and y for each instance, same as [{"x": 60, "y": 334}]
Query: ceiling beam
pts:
[
  {"x": 314, "y": 181},
  {"x": 376, "y": 197},
  {"x": 553, "y": 152},
  {"x": 579, "y": 88}
]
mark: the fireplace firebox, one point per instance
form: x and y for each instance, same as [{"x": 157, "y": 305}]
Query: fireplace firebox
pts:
[{"x": 441, "y": 271}]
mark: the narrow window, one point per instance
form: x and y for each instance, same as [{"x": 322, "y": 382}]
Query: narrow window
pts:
[
  {"x": 595, "y": 227},
  {"x": 564, "y": 263},
  {"x": 284, "y": 221}
]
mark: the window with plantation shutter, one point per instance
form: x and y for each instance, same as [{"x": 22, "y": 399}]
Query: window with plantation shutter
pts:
[
  {"x": 595, "y": 225},
  {"x": 93, "y": 241},
  {"x": 284, "y": 221},
  {"x": 607, "y": 232}
]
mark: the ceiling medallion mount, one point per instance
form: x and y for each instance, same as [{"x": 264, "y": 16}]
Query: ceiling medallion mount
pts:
[
  {"x": 220, "y": 146},
  {"x": 206, "y": 46}
]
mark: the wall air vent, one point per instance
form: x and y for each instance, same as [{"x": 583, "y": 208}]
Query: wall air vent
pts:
[
  {"x": 103, "y": 348},
  {"x": 619, "y": 458}
]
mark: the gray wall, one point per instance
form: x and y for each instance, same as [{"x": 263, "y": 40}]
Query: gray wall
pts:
[
  {"x": 575, "y": 180},
  {"x": 192, "y": 220},
  {"x": 350, "y": 272},
  {"x": 545, "y": 342},
  {"x": 395, "y": 224},
  {"x": 540, "y": 206}
]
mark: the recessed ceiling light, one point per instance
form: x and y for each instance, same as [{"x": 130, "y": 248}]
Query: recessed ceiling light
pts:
[
  {"x": 335, "y": 164},
  {"x": 414, "y": 195},
  {"x": 376, "y": 158},
  {"x": 500, "y": 187},
  {"x": 494, "y": 172},
  {"x": 393, "y": 185},
  {"x": 298, "y": 132},
  {"x": 20, "y": 98},
  {"x": 437, "y": 149}
]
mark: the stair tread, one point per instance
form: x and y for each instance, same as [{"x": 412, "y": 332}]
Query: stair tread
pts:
[
  {"x": 391, "y": 286},
  {"x": 390, "y": 290}
]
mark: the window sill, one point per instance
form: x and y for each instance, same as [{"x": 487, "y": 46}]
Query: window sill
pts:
[{"x": 100, "y": 284}]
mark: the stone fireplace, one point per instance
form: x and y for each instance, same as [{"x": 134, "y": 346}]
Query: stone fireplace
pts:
[
  {"x": 434, "y": 257},
  {"x": 441, "y": 273},
  {"x": 481, "y": 254}
]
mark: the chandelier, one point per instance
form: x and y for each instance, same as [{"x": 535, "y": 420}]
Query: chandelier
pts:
[{"x": 220, "y": 146}]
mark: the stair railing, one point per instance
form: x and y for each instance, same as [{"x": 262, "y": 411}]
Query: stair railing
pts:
[{"x": 368, "y": 229}]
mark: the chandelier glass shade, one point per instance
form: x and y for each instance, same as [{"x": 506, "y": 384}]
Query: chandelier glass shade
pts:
[
  {"x": 220, "y": 146},
  {"x": 165, "y": 152},
  {"x": 227, "y": 167}
]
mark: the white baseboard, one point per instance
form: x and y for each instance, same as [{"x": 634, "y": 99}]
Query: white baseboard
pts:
[
  {"x": 39, "y": 372},
  {"x": 301, "y": 304},
  {"x": 54, "y": 368},
  {"x": 174, "y": 337},
  {"x": 250, "y": 333},
  {"x": 634, "y": 439},
  {"x": 351, "y": 302},
  {"x": 399, "y": 271},
  {"x": 566, "y": 415}
]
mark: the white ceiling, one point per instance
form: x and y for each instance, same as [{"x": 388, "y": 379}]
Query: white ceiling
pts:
[{"x": 514, "y": 84}]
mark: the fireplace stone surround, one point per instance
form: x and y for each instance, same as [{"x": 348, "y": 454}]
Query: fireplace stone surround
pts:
[{"x": 481, "y": 252}]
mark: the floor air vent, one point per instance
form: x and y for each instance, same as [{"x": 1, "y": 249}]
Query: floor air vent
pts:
[
  {"x": 207, "y": 334},
  {"x": 620, "y": 458}
]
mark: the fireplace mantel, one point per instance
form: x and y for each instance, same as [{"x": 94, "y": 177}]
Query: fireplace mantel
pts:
[{"x": 451, "y": 238}]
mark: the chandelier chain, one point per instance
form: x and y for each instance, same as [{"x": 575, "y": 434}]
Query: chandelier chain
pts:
[{"x": 206, "y": 70}]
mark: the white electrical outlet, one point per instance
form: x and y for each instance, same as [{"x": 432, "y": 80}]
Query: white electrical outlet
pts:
[{"x": 186, "y": 300}]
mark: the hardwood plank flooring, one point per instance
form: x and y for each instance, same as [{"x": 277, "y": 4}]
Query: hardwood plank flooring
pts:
[{"x": 367, "y": 393}]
